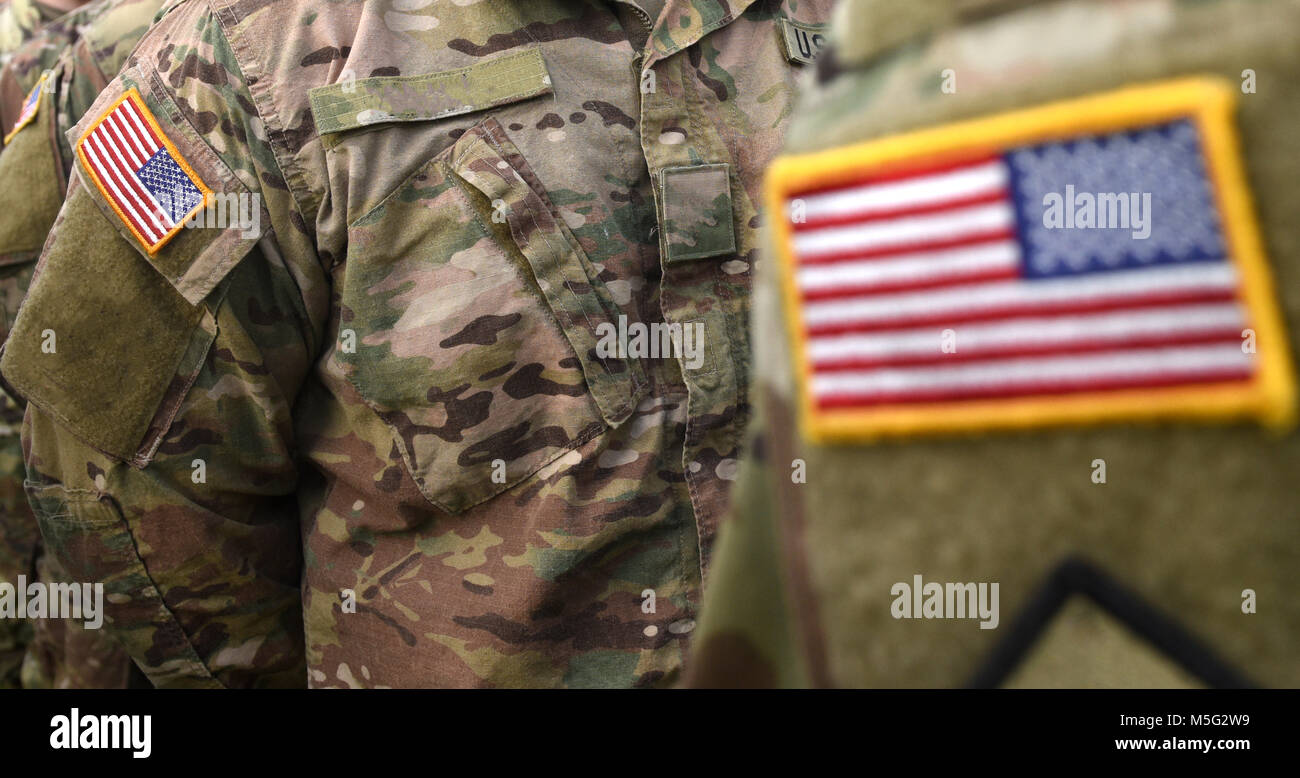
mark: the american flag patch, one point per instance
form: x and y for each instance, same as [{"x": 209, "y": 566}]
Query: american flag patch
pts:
[
  {"x": 1080, "y": 262},
  {"x": 30, "y": 105},
  {"x": 141, "y": 174}
]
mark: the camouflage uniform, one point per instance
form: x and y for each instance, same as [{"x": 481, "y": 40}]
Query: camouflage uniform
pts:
[
  {"x": 1186, "y": 514},
  {"x": 73, "y": 58},
  {"x": 26, "y": 63},
  {"x": 20, "y": 20},
  {"x": 468, "y": 488}
]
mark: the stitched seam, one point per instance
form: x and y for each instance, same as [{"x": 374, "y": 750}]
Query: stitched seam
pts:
[{"x": 260, "y": 94}]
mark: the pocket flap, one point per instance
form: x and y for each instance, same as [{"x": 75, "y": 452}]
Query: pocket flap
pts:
[
  {"x": 104, "y": 366},
  {"x": 486, "y": 159},
  {"x": 350, "y": 104}
]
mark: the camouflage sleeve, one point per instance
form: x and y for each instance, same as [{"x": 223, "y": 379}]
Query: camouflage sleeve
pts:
[
  {"x": 744, "y": 639},
  {"x": 161, "y": 372},
  {"x": 16, "y": 81},
  {"x": 28, "y": 187},
  {"x": 28, "y": 63},
  {"x": 18, "y": 535}
]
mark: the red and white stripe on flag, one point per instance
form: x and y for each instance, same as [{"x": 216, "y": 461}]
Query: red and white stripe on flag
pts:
[
  {"x": 139, "y": 171},
  {"x": 926, "y": 290}
]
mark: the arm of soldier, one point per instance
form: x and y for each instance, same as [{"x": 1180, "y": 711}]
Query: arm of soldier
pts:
[
  {"x": 193, "y": 534},
  {"x": 161, "y": 377},
  {"x": 28, "y": 64},
  {"x": 33, "y": 182},
  {"x": 31, "y": 191}
]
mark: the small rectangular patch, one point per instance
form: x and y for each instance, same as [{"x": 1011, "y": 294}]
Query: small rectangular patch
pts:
[
  {"x": 347, "y": 105},
  {"x": 30, "y": 106},
  {"x": 698, "y": 220},
  {"x": 140, "y": 173},
  {"x": 1094, "y": 260},
  {"x": 802, "y": 42}
]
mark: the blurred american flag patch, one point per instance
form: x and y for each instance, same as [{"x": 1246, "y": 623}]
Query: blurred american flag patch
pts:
[
  {"x": 1073, "y": 276},
  {"x": 31, "y": 104}
]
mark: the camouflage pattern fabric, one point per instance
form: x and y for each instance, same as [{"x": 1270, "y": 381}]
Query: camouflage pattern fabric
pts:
[
  {"x": 20, "y": 20},
  {"x": 36, "y": 55},
  {"x": 76, "y": 54},
  {"x": 380, "y": 420},
  {"x": 18, "y": 537},
  {"x": 1189, "y": 515}
]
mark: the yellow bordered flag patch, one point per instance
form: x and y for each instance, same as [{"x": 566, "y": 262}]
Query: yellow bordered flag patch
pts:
[
  {"x": 1093, "y": 260},
  {"x": 31, "y": 104},
  {"x": 140, "y": 173}
]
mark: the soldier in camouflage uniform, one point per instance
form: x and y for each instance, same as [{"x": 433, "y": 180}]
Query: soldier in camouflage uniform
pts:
[
  {"x": 20, "y": 21},
  {"x": 1128, "y": 552},
  {"x": 391, "y": 387},
  {"x": 25, "y": 64},
  {"x": 72, "y": 59}
]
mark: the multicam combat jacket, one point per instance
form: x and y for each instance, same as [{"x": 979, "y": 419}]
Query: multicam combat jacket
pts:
[{"x": 366, "y": 406}]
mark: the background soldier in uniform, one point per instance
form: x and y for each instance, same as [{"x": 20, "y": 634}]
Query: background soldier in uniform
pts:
[
  {"x": 50, "y": 82},
  {"x": 20, "y": 20},
  {"x": 951, "y": 387},
  {"x": 391, "y": 362}
]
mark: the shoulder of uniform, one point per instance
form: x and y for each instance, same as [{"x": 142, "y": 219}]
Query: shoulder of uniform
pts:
[
  {"x": 292, "y": 44},
  {"x": 112, "y": 21},
  {"x": 113, "y": 30},
  {"x": 274, "y": 52},
  {"x": 38, "y": 53},
  {"x": 204, "y": 119},
  {"x": 180, "y": 94},
  {"x": 183, "y": 64},
  {"x": 28, "y": 66},
  {"x": 268, "y": 49}
]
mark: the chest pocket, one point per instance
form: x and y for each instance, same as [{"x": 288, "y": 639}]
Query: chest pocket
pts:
[{"x": 470, "y": 319}]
